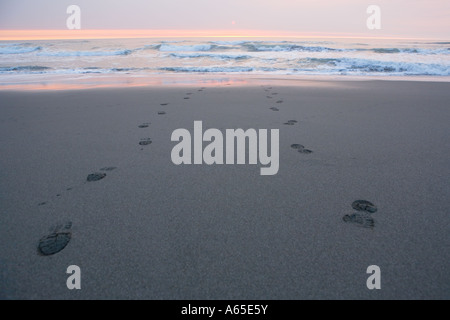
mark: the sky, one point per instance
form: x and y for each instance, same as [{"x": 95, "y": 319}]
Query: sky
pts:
[{"x": 399, "y": 18}]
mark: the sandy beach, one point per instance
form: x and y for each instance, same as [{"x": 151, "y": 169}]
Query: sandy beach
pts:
[{"x": 152, "y": 230}]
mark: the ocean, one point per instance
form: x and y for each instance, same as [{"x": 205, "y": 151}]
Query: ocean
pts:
[{"x": 335, "y": 57}]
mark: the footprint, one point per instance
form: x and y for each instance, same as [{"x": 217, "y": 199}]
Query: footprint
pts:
[
  {"x": 164, "y": 104},
  {"x": 300, "y": 148},
  {"x": 290, "y": 122},
  {"x": 145, "y": 142},
  {"x": 186, "y": 98},
  {"x": 144, "y": 125},
  {"x": 56, "y": 241},
  {"x": 268, "y": 97},
  {"x": 364, "y": 205},
  {"x": 108, "y": 168},
  {"x": 160, "y": 113},
  {"x": 360, "y": 220},
  {"x": 95, "y": 176},
  {"x": 280, "y": 101},
  {"x": 274, "y": 109},
  {"x": 297, "y": 146}
]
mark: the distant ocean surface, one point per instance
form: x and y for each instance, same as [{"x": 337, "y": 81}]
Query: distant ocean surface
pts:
[{"x": 352, "y": 57}]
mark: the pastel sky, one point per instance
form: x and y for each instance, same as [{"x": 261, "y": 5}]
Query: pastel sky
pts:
[{"x": 400, "y": 18}]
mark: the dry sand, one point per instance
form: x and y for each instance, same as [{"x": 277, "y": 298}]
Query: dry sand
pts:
[{"x": 153, "y": 230}]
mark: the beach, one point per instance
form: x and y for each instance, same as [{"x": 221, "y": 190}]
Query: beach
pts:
[{"x": 150, "y": 229}]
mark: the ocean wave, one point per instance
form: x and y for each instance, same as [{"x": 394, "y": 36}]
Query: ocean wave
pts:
[
  {"x": 191, "y": 48},
  {"x": 102, "y": 70},
  {"x": 342, "y": 66},
  {"x": 209, "y": 55},
  {"x": 317, "y": 62},
  {"x": 48, "y": 70},
  {"x": 224, "y": 56},
  {"x": 421, "y": 51},
  {"x": 151, "y": 47},
  {"x": 229, "y": 43},
  {"x": 356, "y": 66},
  {"x": 123, "y": 52},
  {"x": 127, "y": 69},
  {"x": 207, "y": 69},
  {"x": 252, "y": 47},
  {"x": 18, "y": 49},
  {"x": 365, "y": 66},
  {"x": 30, "y": 69},
  {"x": 386, "y": 50}
]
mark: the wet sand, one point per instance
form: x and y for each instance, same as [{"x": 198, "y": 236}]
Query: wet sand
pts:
[{"x": 92, "y": 169}]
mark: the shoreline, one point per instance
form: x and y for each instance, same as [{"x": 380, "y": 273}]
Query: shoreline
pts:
[{"x": 63, "y": 82}]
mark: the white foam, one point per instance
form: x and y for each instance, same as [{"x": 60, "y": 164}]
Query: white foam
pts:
[
  {"x": 198, "y": 47},
  {"x": 18, "y": 49},
  {"x": 207, "y": 69},
  {"x": 210, "y": 55},
  {"x": 85, "y": 53},
  {"x": 232, "y": 43}
]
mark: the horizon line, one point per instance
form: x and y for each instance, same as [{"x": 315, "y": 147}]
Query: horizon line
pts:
[{"x": 66, "y": 34}]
